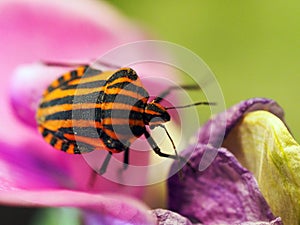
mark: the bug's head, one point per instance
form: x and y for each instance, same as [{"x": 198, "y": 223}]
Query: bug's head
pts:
[{"x": 155, "y": 114}]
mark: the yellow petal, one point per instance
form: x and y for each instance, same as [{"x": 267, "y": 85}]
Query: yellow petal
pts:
[{"x": 263, "y": 144}]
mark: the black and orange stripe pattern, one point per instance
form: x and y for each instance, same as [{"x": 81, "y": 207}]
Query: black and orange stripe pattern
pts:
[{"x": 87, "y": 109}]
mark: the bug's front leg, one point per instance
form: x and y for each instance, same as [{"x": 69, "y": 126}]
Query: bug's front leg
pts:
[{"x": 156, "y": 149}]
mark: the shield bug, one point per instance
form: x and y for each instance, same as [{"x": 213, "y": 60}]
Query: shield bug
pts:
[{"x": 87, "y": 109}]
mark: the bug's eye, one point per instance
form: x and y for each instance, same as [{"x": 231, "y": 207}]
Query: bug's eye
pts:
[
  {"x": 155, "y": 121},
  {"x": 152, "y": 127}
]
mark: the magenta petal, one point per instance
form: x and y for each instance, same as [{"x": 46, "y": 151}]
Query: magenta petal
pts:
[
  {"x": 52, "y": 32},
  {"x": 34, "y": 165},
  {"x": 165, "y": 217},
  {"x": 225, "y": 193},
  {"x": 25, "y": 96},
  {"x": 211, "y": 131},
  {"x": 113, "y": 207},
  {"x": 21, "y": 168}
]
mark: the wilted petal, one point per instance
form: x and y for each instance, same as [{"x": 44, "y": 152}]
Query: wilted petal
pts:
[
  {"x": 113, "y": 207},
  {"x": 167, "y": 217},
  {"x": 276, "y": 221},
  {"x": 264, "y": 145},
  {"x": 211, "y": 131},
  {"x": 225, "y": 193}
]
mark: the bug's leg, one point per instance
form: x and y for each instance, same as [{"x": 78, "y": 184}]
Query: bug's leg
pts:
[
  {"x": 180, "y": 158},
  {"x": 105, "y": 163},
  {"x": 169, "y": 136},
  {"x": 165, "y": 93},
  {"x": 126, "y": 159},
  {"x": 63, "y": 64},
  {"x": 102, "y": 170},
  {"x": 156, "y": 149},
  {"x": 107, "y": 64}
]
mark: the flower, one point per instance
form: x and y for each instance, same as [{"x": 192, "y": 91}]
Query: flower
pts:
[{"x": 254, "y": 177}]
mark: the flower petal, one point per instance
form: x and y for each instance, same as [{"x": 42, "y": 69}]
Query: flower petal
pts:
[
  {"x": 114, "y": 207},
  {"x": 211, "y": 132},
  {"x": 34, "y": 165},
  {"x": 166, "y": 217},
  {"x": 225, "y": 193},
  {"x": 50, "y": 32},
  {"x": 25, "y": 96},
  {"x": 264, "y": 145},
  {"x": 23, "y": 169}
]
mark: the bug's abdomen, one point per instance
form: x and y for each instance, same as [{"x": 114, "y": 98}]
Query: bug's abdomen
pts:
[
  {"x": 69, "y": 116},
  {"x": 71, "y": 119},
  {"x": 98, "y": 111}
]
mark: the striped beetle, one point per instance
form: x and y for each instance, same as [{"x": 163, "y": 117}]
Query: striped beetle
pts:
[{"x": 87, "y": 99}]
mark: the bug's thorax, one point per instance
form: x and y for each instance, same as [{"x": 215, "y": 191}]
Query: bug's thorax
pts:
[{"x": 155, "y": 114}]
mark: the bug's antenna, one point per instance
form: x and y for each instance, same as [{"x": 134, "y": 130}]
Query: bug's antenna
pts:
[
  {"x": 194, "y": 104},
  {"x": 169, "y": 136}
]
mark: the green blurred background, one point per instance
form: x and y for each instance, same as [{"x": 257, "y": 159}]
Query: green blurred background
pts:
[{"x": 253, "y": 46}]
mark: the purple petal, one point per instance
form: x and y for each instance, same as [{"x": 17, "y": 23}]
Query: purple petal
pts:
[
  {"x": 166, "y": 217},
  {"x": 276, "y": 221},
  {"x": 211, "y": 132},
  {"x": 224, "y": 193},
  {"x": 111, "y": 207}
]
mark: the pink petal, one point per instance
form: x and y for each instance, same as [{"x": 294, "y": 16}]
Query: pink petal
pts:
[
  {"x": 114, "y": 207},
  {"x": 51, "y": 32},
  {"x": 34, "y": 165},
  {"x": 21, "y": 169},
  {"x": 31, "y": 80}
]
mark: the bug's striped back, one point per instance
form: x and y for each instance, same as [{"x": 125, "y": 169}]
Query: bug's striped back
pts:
[
  {"x": 123, "y": 106},
  {"x": 83, "y": 113}
]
